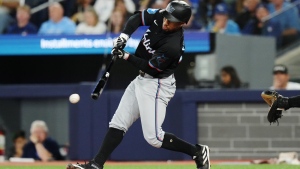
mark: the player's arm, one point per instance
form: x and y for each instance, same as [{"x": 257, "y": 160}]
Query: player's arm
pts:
[
  {"x": 159, "y": 61},
  {"x": 157, "y": 64},
  {"x": 139, "y": 18}
]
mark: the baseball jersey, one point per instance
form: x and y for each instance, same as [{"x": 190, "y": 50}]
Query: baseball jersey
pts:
[{"x": 162, "y": 50}]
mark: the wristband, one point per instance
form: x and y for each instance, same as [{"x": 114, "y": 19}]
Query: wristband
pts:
[
  {"x": 125, "y": 36},
  {"x": 126, "y": 56}
]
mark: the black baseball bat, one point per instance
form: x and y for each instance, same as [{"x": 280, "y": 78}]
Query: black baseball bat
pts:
[{"x": 102, "y": 82}]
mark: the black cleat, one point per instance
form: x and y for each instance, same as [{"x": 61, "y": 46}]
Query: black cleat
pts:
[
  {"x": 89, "y": 165},
  {"x": 202, "y": 157}
]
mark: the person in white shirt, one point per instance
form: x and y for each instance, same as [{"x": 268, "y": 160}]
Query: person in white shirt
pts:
[
  {"x": 281, "y": 79},
  {"x": 91, "y": 24},
  {"x": 104, "y": 8}
]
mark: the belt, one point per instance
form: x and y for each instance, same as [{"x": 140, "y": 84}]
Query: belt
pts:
[{"x": 143, "y": 74}]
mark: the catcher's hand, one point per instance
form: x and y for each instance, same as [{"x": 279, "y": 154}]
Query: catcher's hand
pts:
[{"x": 271, "y": 98}]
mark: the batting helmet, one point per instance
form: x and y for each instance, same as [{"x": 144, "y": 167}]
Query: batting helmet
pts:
[{"x": 177, "y": 11}]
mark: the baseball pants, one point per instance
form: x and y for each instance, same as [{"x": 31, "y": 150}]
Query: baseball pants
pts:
[{"x": 146, "y": 98}]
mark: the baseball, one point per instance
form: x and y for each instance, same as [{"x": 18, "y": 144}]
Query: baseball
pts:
[{"x": 74, "y": 98}]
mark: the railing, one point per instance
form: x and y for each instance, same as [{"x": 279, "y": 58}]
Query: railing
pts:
[
  {"x": 42, "y": 6},
  {"x": 276, "y": 13}
]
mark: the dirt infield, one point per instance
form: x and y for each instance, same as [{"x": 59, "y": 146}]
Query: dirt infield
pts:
[{"x": 62, "y": 163}]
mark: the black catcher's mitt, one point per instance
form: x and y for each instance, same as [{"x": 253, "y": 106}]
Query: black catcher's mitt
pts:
[{"x": 277, "y": 103}]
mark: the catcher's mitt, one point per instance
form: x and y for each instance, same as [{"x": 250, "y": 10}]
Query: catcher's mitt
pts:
[{"x": 271, "y": 97}]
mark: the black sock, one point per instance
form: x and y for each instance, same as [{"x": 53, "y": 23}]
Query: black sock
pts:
[
  {"x": 112, "y": 139},
  {"x": 171, "y": 142},
  {"x": 294, "y": 101}
]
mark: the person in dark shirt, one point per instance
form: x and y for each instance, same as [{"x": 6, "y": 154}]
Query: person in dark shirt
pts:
[
  {"x": 257, "y": 26},
  {"x": 41, "y": 147},
  {"x": 247, "y": 14},
  {"x": 23, "y": 26},
  {"x": 229, "y": 78},
  {"x": 146, "y": 97},
  {"x": 19, "y": 141}
]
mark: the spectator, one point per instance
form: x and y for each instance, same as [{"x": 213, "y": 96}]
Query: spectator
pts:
[
  {"x": 39, "y": 17},
  {"x": 160, "y": 4},
  {"x": 77, "y": 15},
  {"x": 19, "y": 141},
  {"x": 91, "y": 24},
  {"x": 288, "y": 20},
  {"x": 281, "y": 79},
  {"x": 205, "y": 11},
  {"x": 117, "y": 21},
  {"x": 41, "y": 147},
  {"x": 121, "y": 6},
  {"x": 256, "y": 26},
  {"x": 248, "y": 13},
  {"x": 143, "y": 4},
  {"x": 23, "y": 26},
  {"x": 222, "y": 23},
  {"x": 229, "y": 78},
  {"x": 298, "y": 6},
  {"x": 5, "y": 8},
  {"x": 104, "y": 8},
  {"x": 193, "y": 23},
  {"x": 57, "y": 23}
]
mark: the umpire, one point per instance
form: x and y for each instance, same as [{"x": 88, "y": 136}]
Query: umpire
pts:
[{"x": 146, "y": 97}]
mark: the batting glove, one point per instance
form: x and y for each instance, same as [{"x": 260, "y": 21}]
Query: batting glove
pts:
[
  {"x": 120, "y": 53},
  {"x": 120, "y": 42}
]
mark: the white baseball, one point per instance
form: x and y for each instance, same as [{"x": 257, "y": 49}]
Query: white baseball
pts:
[{"x": 74, "y": 98}]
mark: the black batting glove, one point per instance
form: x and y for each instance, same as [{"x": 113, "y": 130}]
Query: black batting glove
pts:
[
  {"x": 120, "y": 53},
  {"x": 121, "y": 41}
]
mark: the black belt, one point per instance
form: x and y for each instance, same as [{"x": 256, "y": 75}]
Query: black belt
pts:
[{"x": 142, "y": 73}]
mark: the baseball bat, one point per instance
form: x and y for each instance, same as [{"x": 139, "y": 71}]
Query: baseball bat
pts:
[{"x": 102, "y": 82}]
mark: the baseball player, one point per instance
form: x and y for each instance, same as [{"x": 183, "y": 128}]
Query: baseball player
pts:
[{"x": 157, "y": 56}]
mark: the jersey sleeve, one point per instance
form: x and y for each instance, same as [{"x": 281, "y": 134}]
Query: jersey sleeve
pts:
[
  {"x": 162, "y": 58},
  {"x": 148, "y": 15}
]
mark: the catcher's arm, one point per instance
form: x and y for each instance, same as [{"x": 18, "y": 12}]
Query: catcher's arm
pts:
[{"x": 276, "y": 102}]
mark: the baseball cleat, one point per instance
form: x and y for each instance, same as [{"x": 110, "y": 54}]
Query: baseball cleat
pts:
[
  {"x": 202, "y": 157},
  {"x": 89, "y": 165}
]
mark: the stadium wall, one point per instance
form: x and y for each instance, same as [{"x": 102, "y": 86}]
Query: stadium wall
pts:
[{"x": 232, "y": 122}]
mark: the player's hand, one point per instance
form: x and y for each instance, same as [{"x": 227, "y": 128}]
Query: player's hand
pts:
[
  {"x": 34, "y": 139},
  {"x": 120, "y": 53},
  {"x": 120, "y": 42}
]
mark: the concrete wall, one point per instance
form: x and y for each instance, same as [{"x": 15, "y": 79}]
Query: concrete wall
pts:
[
  {"x": 55, "y": 112},
  {"x": 10, "y": 118},
  {"x": 241, "y": 131},
  {"x": 251, "y": 56}
]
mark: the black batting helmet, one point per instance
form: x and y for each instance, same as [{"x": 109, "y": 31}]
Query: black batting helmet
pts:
[{"x": 177, "y": 11}]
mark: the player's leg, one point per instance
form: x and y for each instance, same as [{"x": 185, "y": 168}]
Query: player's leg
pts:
[
  {"x": 123, "y": 118},
  {"x": 126, "y": 113},
  {"x": 153, "y": 98}
]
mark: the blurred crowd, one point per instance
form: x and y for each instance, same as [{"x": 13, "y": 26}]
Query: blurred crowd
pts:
[{"x": 277, "y": 18}]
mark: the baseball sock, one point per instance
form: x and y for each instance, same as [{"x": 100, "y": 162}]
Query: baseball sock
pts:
[
  {"x": 294, "y": 101},
  {"x": 171, "y": 142},
  {"x": 112, "y": 139}
]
